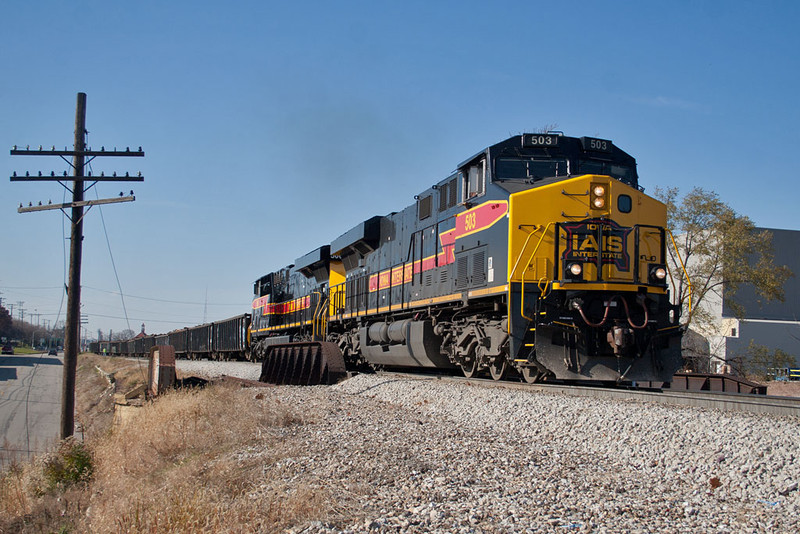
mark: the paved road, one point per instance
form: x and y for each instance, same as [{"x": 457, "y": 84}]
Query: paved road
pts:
[{"x": 30, "y": 404}]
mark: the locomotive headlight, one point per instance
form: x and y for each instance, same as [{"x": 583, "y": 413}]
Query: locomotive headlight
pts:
[
  {"x": 573, "y": 272},
  {"x": 599, "y": 195},
  {"x": 658, "y": 273}
]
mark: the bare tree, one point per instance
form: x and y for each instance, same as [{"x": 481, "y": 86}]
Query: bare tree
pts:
[
  {"x": 550, "y": 127},
  {"x": 757, "y": 361},
  {"x": 123, "y": 335}
]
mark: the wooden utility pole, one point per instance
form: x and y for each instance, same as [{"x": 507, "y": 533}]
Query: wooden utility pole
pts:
[
  {"x": 72, "y": 333},
  {"x": 80, "y": 152}
]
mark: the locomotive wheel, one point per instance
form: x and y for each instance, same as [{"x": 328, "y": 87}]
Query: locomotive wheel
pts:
[
  {"x": 531, "y": 375},
  {"x": 470, "y": 367},
  {"x": 498, "y": 368}
]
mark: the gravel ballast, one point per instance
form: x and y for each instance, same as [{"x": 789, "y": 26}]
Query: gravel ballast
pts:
[
  {"x": 407, "y": 455},
  {"x": 215, "y": 369}
]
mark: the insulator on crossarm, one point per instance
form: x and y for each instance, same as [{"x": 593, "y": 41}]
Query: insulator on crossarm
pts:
[
  {"x": 40, "y": 173},
  {"x": 14, "y": 175}
]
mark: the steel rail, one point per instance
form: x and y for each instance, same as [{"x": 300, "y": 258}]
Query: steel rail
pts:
[{"x": 727, "y": 402}]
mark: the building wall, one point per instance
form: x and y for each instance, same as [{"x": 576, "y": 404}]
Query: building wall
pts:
[
  {"x": 786, "y": 245},
  {"x": 772, "y": 334},
  {"x": 773, "y": 324}
]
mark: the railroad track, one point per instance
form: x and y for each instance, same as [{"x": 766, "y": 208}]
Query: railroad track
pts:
[{"x": 729, "y": 402}]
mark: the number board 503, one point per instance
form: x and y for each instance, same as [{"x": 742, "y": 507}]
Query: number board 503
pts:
[
  {"x": 596, "y": 145},
  {"x": 545, "y": 140}
]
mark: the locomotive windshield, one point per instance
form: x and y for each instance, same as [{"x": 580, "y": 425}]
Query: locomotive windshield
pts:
[
  {"x": 529, "y": 168},
  {"x": 621, "y": 172},
  {"x": 528, "y": 158}
]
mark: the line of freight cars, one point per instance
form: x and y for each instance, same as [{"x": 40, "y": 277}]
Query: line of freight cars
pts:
[{"x": 221, "y": 340}]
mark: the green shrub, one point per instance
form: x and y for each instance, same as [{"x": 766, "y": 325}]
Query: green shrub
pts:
[{"x": 72, "y": 464}]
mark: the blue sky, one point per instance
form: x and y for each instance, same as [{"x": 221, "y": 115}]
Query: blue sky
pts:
[{"x": 271, "y": 128}]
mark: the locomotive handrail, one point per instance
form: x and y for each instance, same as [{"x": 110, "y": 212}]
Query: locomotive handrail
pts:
[
  {"x": 544, "y": 286},
  {"x": 525, "y": 246},
  {"x": 358, "y": 301},
  {"x": 318, "y": 319},
  {"x": 564, "y": 192},
  {"x": 584, "y": 216},
  {"x": 522, "y": 297},
  {"x": 685, "y": 273},
  {"x": 335, "y": 300}
]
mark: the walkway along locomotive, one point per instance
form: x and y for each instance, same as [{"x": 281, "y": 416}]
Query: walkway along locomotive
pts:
[{"x": 540, "y": 254}]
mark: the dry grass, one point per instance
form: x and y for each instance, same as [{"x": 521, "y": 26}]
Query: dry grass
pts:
[
  {"x": 47, "y": 494},
  {"x": 190, "y": 461},
  {"x": 94, "y": 399}
]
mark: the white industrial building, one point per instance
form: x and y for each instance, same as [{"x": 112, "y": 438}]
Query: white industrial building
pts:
[{"x": 773, "y": 324}]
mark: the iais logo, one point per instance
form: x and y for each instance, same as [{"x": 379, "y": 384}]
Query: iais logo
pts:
[{"x": 586, "y": 238}]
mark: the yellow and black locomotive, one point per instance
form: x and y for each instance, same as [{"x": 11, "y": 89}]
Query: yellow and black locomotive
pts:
[{"x": 540, "y": 255}]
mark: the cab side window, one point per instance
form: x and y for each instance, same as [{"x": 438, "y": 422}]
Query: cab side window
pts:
[{"x": 475, "y": 180}]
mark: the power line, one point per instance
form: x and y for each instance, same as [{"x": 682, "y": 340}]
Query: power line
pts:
[
  {"x": 31, "y": 287},
  {"x": 127, "y": 295},
  {"x": 147, "y": 320},
  {"x": 113, "y": 265}
]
